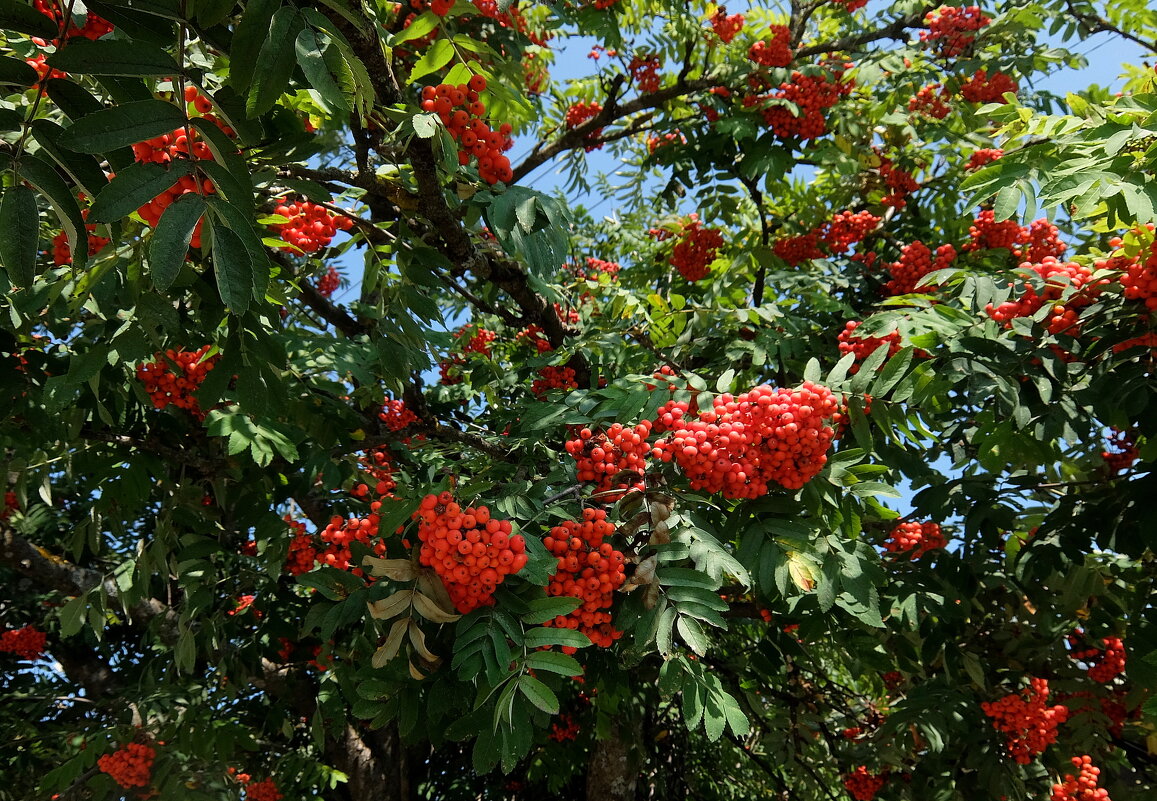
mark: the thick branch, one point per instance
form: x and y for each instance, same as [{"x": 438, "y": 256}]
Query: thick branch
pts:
[{"x": 895, "y": 30}]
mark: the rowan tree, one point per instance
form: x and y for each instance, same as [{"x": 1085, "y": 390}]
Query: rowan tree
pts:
[{"x": 341, "y": 462}]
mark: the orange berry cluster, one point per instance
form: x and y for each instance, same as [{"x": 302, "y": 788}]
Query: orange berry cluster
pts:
[
  {"x": 579, "y": 113},
  {"x": 1083, "y": 786},
  {"x": 900, "y": 182},
  {"x": 988, "y": 234},
  {"x": 245, "y": 602},
  {"x": 26, "y": 642},
  {"x": 94, "y": 26},
  {"x": 985, "y": 155},
  {"x": 645, "y": 72},
  {"x": 474, "y": 339},
  {"x": 726, "y": 27},
  {"x": 590, "y": 569},
  {"x": 773, "y": 52},
  {"x": 696, "y": 249},
  {"x": 265, "y": 790},
  {"x": 812, "y": 95},
  {"x": 39, "y": 62},
  {"x": 595, "y": 269},
  {"x": 178, "y": 389},
  {"x": 1105, "y": 664},
  {"x": 931, "y": 100},
  {"x": 982, "y": 89},
  {"x": 1029, "y": 726},
  {"x": 795, "y": 250},
  {"x": 916, "y": 262},
  {"x": 151, "y": 212},
  {"x": 311, "y": 226},
  {"x": 863, "y": 347},
  {"x": 550, "y": 377},
  {"x": 328, "y": 283},
  {"x": 846, "y": 228},
  {"x": 62, "y": 250},
  {"x": 168, "y": 147},
  {"x": 396, "y": 416},
  {"x": 655, "y": 141},
  {"x": 341, "y": 532},
  {"x": 1057, "y": 276},
  {"x": 602, "y": 457},
  {"x": 864, "y": 785},
  {"x": 131, "y": 766},
  {"x": 1140, "y": 279},
  {"x": 915, "y": 539},
  {"x": 744, "y": 443},
  {"x": 302, "y": 554},
  {"x": 378, "y": 462},
  {"x": 470, "y": 551},
  {"x": 565, "y": 729},
  {"x": 1043, "y": 240},
  {"x": 952, "y": 29},
  {"x": 1122, "y": 448},
  {"x": 852, "y": 5},
  {"x": 462, "y": 112}
]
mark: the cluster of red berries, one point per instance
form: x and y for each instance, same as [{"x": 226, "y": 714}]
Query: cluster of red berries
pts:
[
  {"x": 987, "y": 234},
  {"x": 341, "y": 532},
  {"x": 595, "y": 269},
  {"x": 1043, "y": 239},
  {"x": 795, "y": 250},
  {"x": 151, "y": 212},
  {"x": 551, "y": 377},
  {"x": 1083, "y": 786},
  {"x": 589, "y": 569},
  {"x": 915, "y": 539},
  {"x": 1112, "y": 707},
  {"x": 915, "y": 262},
  {"x": 378, "y": 464},
  {"x": 846, "y": 228},
  {"x": 94, "y": 26},
  {"x": 1121, "y": 449},
  {"x": 178, "y": 389},
  {"x": 613, "y": 458},
  {"x": 579, "y": 113},
  {"x": 328, "y": 283},
  {"x": 985, "y": 155},
  {"x": 302, "y": 554},
  {"x": 1106, "y": 663},
  {"x": 775, "y": 51},
  {"x": 862, "y": 346},
  {"x": 11, "y": 504},
  {"x": 39, "y": 62},
  {"x": 851, "y": 5},
  {"x": 474, "y": 339},
  {"x": 1148, "y": 340},
  {"x": 951, "y": 29},
  {"x": 901, "y": 182},
  {"x": 62, "y": 250},
  {"x": 726, "y": 27},
  {"x": 1057, "y": 276},
  {"x": 243, "y": 603},
  {"x": 656, "y": 141},
  {"x": 644, "y": 71},
  {"x": 470, "y": 551},
  {"x": 396, "y": 416},
  {"x": 310, "y": 227},
  {"x": 534, "y": 335},
  {"x": 534, "y": 73},
  {"x": 743, "y": 443},
  {"x": 265, "y": 790},
  {"x": 1140, "y": 279},
  {"x": 26, "y": 642},
  {"x": 696, "y": 249},
  {"x": 462, "y": 112},
  {"x": 1029, "y": 726},
  {"x": 565, "y": 729},
  {"x": 812, "y": 95},
  {"x": 864, "y": 785},
  {"x": 131, "y": 766},
  {"x": 512, "y": 18},
  {"x": 931, "y": 100},
  {"x": 168, "y": 147},
  {"x": 982, "y": 89}
]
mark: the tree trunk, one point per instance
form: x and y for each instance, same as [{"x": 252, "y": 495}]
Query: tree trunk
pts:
[{"x": 613, "y": 768}]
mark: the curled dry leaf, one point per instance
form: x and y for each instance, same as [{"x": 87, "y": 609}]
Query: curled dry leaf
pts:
[
  {"x": 644, "y": 574},
  {"x": 392, "y": 606},
  {"x": 431, "y": 611},
  {"x": 393, "y": 643},
  {"x": 418, "y": 640},
  {"x": 430, "y": 585},
  {"x": 394, "y": 569}
]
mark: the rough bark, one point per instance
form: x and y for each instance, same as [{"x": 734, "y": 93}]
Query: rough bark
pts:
[{"x": 613, "y": 768}]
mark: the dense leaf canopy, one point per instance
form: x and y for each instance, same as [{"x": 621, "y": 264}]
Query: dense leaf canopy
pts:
[{"x": 342, "y": 462}]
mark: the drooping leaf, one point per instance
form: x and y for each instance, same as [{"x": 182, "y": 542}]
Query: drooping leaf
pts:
[
  {"x": 133, "y": 187},
  {"x": 170, "y": 241},
  {"x": 113, "y": 57},
  {"x": 119, "y": 126},
  {"x": 20, "y": 223},
  {"x": 276, "y": 61}
]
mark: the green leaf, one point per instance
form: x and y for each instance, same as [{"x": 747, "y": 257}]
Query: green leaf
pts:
[
  {"x": 539, "y": 694},
  {"x": 18, "y": 16},
  {"x": 725, "y": 381},
  {"x": 14, "y": 72},
  {"x": 208, "y": 13},
  {"x": 425, "y": 125},
  {"x": 538, "y": 637},
  {"x": 72, "y": 615},
  {"x": 45, "y": 179},
  {"x": 133, "y": 187},
  {"x": 233, "y": 267},
  {"x": 83, "y": 168},
  {"x": 422, "y": 25},
  {"x": 436, "y": 57},
  {"x": 170, "y": 241},
  {"x": 554, "y": 662},
  {"x": 248, "y": 37},
  {"x": 692, "y": 634},
  {"x": 543, "y": 610},
  {"x": 113, "y": 57},
  {"x": 118, "y": 126},
  {"x": 20, "y": 222},
  {"x": 1006, "y": 203},
  {"x": 310, "y": 49},
  {"x": 277, "y": 59}
]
